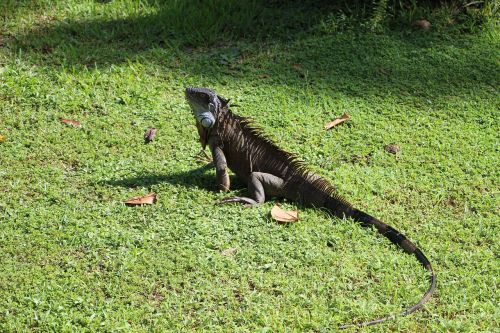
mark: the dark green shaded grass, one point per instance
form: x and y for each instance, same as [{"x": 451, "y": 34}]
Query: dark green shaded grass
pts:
[{"x": 75, "y": 258}]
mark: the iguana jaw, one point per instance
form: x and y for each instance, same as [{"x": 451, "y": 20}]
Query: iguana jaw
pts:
[{"x": 204, "y": 104}]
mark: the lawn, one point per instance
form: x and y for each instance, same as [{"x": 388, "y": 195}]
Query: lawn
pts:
[{"x": 75, "y": 258}]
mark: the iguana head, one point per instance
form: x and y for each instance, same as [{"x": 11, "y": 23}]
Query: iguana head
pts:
[{"x": 205, "y": 105}]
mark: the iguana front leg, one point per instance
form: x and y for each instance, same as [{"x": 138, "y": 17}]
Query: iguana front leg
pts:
[
  {"x": 259, "y": 185},
  {"x": 219, "y": 161}
]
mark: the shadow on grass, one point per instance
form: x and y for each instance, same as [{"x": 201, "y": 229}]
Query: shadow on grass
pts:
[
  {"x": 196, "y": 178},
  {"x": 292, "y": 43},
  {"x": 174, "y": 25}
]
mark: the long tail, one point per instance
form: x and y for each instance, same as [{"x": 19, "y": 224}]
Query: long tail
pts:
[{"x": 399, "y": 239}]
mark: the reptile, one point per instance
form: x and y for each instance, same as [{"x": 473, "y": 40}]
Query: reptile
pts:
[{"x": 238, "y": 144}]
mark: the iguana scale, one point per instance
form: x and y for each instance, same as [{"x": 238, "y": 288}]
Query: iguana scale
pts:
[{"x": 269, "y": 171}]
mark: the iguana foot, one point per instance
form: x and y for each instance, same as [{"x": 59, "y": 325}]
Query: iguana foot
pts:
[
  {"x": 203, "y": 157},
  {"x": 242, "y": 200}
]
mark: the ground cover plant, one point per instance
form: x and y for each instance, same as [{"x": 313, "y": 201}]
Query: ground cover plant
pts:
[{"x": 75, "y": 258}]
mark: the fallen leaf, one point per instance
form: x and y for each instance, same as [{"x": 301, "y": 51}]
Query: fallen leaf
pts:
[
  {"x": 149, "y": 135},
  {"x": 71, "y": 122},
  {"x": 382, "y": 71},
  {"x": 120, "y": 101},
  {"x": 392, "y": 148},
  {"x": 46, "y": 49},
  {"x": 262, "y": 76},
  {"x": 452, "y": 202},
  {"x": 229, "y": 252},
  {"x": 345, "y": 117},
  {"x": 362, "y": 158},
  {"x": 330, "y": 243},
  {"x": 266, "y": 267},
  {"x": 142, "y": 200},
  {"x": 156, "y": 294},
  {"x": 284, "y": 216},
  {"x": 297, "y": 66},
  {"x": 251, "y": 285},
  {"x": 421, "y": 24}
]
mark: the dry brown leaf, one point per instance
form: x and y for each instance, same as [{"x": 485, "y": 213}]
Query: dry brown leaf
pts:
[
  {"x": 229, "y": 252},
  {"x": 382, "y": 71},
  {"x": 262, "y": 76},
  {"x": 2, "y": 138},
  {"x": 156, "y": 294},
  {"x": 421, "y": 24},
  {"x": 297, "y": 66},
  {"x": 149, "y": 135},
  {"x": 345, "y": 117},
  {"x": 284, "y": 216},
  {"x": 46, "y": 49},
  {"x": 362, "y": 158},
  {"x": 71, "y": 122},
  {"x": 392, "y": 148},
  {"x": 142, "y": 200}
]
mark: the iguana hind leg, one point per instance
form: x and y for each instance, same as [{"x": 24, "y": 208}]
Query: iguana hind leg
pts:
[{"x": 259, "y": 185}]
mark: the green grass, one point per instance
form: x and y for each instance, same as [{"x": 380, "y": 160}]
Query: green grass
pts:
[{"x": 74, "y": 258}]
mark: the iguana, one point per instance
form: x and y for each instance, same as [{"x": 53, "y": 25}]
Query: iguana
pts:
[{"x": 236, "y": 143}]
